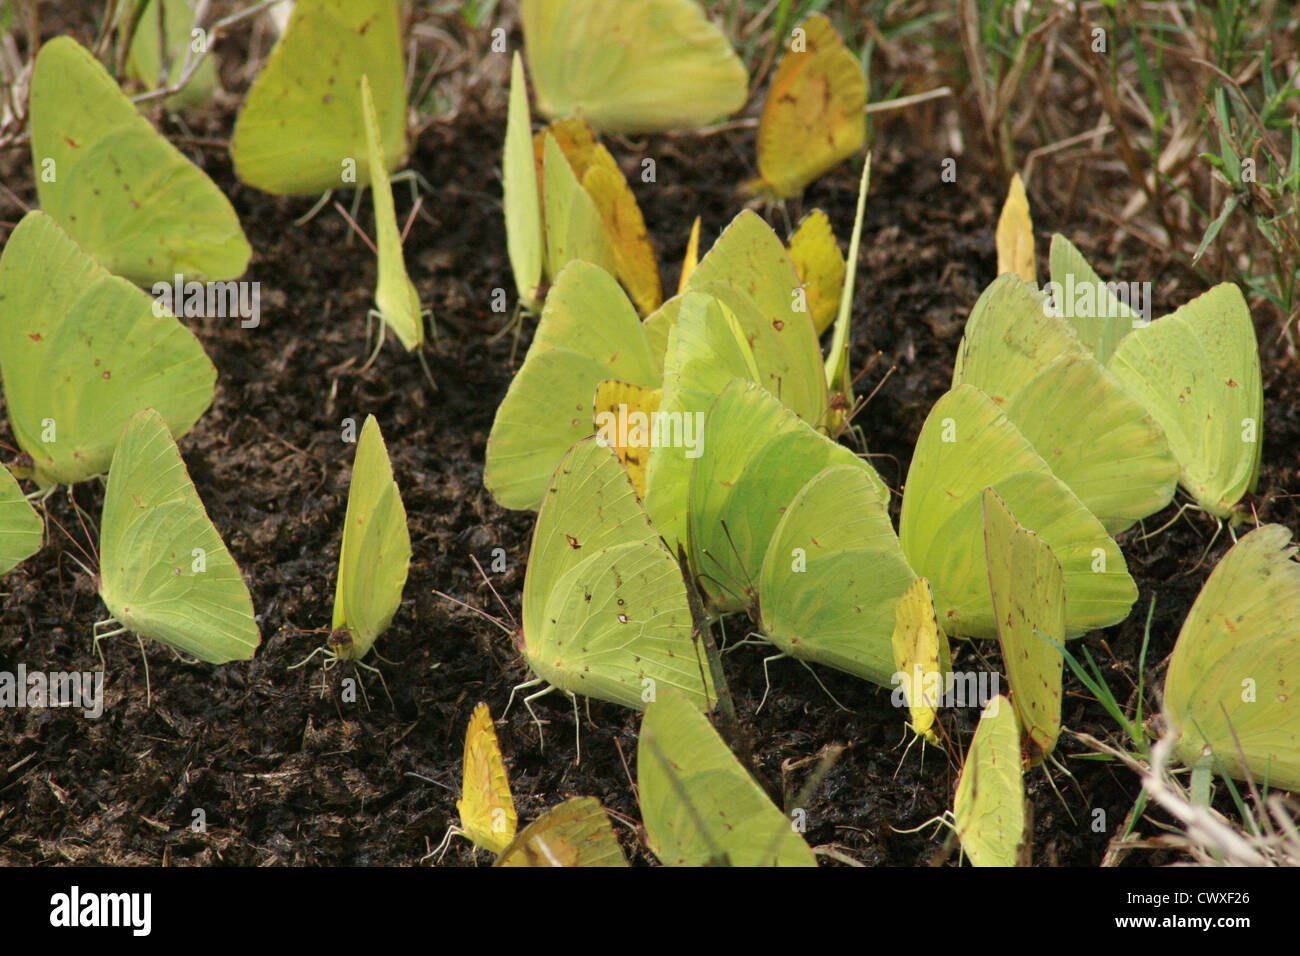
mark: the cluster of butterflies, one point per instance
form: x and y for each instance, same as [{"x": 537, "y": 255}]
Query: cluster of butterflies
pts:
[
  {"x": 1063, "y": 427},
  {"x": 122, "y": 208},
  {"x": 1069, "y": 420}
]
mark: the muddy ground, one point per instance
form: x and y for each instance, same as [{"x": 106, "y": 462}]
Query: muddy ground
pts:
[{"x": 286, "y": 771}]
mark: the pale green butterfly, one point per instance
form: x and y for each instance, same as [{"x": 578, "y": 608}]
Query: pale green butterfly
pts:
[
  {"x": 700, "y": 806},
  {"x": 706, "y": 351},
  {"x": 989, "y": 809},
  {"x": 165, "y": 573},
  {"x": 125, "y": 194},
  {"x": 522, "y": 203},
  {"x": 1233, "y": 677},
  {"x": 755, "y": 456},
  {"x": 966, "y": 445},
  {"x": 398, "y": 304},
  {"x": 590, "y": 212},
  {"x": 833, "y": 575},
  {"x": 1100, "y": 318},
  {"x": 637, "y": 66},
  {"x": 82, "y": 351},
  {"x": 589, "y": 332},
  {"x": 21, "y": 528},
  {"x": 301, "y": 129},
  {"x": 750, "y": 270},
  {"x": 165, "y": 35},
  {"x": 1089, "y": 428},
  {"x": 1029, "y": 603},
  {"x": 375, "y": 553},
  {"x": 606, "y": 613},
  {"x": 1197, "y": 372}
]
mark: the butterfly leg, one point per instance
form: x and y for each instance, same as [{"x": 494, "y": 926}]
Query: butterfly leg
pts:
[
  {"x": 1178, "y": 514},
  {"x": 524, "y": 686},
  {"x": 1218, "y": 529},
  {"x": 767, "y": 680},
  {"x": 577, "y": 729},
  {"x": 417, "y": 183},
  {"x": 433, "y": 326},
  {"x": 424, "y": 364},
  {"x": 148, "y": 685},
  {"x": 824, "y": 688},
  {"x": 382, "y": 683},
  {"x": 907, "y": 750},
  {"x": 441, "y": 849},
  {"x": 1052, "y": 783},
  {"x": 371, "y": 314},
  {"x": 355, "y": 208},
  {"x": 749, "y": 640},
  {"x": 528, "y": 702},
  {"x": 320, "y": 650},
  {"x": 310, "y": 214},
  {"x": 97, "y": 635}
]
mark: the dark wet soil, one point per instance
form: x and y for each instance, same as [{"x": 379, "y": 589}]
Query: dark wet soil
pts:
[{"x": 287, "y": 769}]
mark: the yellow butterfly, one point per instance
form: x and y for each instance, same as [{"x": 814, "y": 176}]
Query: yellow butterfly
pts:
[
  {"x": 486, "y": 808},
  {"x": 634, "y": 257},
  {"x": 921, "y": 657},
  {"x": 814, "y": 116},
  {"x": 624, "y": 415},
  {"x": 820, "y": 264},
  {"x": 1015, "y": 235}
]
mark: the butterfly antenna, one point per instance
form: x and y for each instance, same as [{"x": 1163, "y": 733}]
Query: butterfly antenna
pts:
[
  {"x": 91, "y": 558},
  {"x": 636, "y": 791},
  {"x": 863, "y": 401},
  {"x": 14, "y": 198},
  {"x": 310, "y": 214},
  {"x": 749, "y": 588},
  {"x": 488, "y": 581},
  {"x": 710, "y": 661},
  {"x": 479, "y": 611},
  {"x": 436, "y": 783},
  {"x": 351, "y": 221},
  {"x": 82, "y": 519},
  {"x": 708, "y": 577}
]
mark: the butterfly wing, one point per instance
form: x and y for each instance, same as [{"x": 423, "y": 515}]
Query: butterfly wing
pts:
[{"x": 165, "y": 573}]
